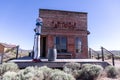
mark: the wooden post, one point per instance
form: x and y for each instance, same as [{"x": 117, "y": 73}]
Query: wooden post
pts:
[
  {"x": 98, "y": 56},
  {"x": 113, "y": 61},
  {"x": 1, "y": 58},
  {"x": 90, "y": 54},
  {"x": 17, "y": 49},
  {"x": 102, "y": 53}
]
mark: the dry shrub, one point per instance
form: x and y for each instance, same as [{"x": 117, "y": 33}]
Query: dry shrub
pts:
[
  {"x": 119, "y": 72},
  {"x": 60, "y": 75},
  {"x": 8, "y": 67},
  {"x": 102, "y": 75},
  {"x": 90, "y": 72},
  {"x": 46, "y": 72},
  {"x": 9, "y": 76},
  {"x": 30, "y": 73},
  {"x": 111, "y": 71},
  {"x": 72, "y": 68}
]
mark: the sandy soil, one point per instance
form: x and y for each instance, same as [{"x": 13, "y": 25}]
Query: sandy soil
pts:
[{"x": 117, "y": 63}]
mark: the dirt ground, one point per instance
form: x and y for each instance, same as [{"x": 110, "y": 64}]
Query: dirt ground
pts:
[{"x": 117, "y": 62}]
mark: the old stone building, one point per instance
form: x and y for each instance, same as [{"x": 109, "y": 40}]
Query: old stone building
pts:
[{"x": 65, "y": 30}]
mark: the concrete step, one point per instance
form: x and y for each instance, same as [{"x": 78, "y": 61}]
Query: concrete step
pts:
[{"x": 58, "y": 63}]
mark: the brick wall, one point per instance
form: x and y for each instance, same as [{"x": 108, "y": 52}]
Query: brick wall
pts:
[{"x": 65, "y": 23}]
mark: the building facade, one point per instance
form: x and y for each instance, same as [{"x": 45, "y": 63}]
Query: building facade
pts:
[
  {"x": 5, "y": 47},
  {"x": 65, "y": 30}
]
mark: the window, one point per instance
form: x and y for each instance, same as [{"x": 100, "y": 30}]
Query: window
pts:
[
  {"x": 78, "y": 44},
  {"x": 60, "y": 43}
]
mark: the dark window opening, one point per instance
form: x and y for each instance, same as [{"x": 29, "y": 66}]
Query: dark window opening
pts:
[{"x": 61, "y": 44}]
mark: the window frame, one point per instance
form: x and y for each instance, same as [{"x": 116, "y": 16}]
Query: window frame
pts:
[
  {"x": 78, "y": 46},
  {"x": 59, "y": 44}
]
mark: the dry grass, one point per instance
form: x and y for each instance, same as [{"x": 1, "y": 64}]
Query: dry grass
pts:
[
  {"x": 117, "y": 62},
  {"x": 8, "y": 56}
]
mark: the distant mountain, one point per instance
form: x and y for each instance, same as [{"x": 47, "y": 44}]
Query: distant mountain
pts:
[
  {"x": 24, "y": 51},
  {"x": 116, "y": 52}
]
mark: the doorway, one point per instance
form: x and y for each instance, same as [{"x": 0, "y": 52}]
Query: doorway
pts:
[{"x": 43, "y": 47}]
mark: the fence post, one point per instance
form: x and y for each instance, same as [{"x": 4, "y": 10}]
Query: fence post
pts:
[
  {"x": 17, "y": 51},
  {"x": 98, "y": 56},
  {"x": 1, "y": 58},
  {"x": 90, "y": 54},
  {"x": 102, "y": 53},
  {"x": 113, "y": 61}
]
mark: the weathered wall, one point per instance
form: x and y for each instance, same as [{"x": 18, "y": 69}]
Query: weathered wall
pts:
[
  {"x": 1, "y": 48},
  {"x": 66, "y": 23}
]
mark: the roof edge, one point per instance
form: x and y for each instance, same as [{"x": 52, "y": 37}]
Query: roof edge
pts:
[{"x": 62, "y": 11}]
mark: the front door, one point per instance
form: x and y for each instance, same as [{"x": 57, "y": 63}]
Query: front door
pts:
[{"x": 43, "y": 47}]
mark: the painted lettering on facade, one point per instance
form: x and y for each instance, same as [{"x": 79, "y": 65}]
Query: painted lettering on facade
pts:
[{"x": 63, "y": 25}]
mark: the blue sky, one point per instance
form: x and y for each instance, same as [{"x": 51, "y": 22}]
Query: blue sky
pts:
[{"x": 17, "y": 20}]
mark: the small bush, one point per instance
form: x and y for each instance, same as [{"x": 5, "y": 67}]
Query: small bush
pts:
[
  {"x": 9, "y": 76},
  {"x": 28, "y": 70},
  {"x": 38, "y": 75},
  {"x": 26, "y": 74},
  {"x": 1, "y": 71},
  {"x": 72, "y": 68},
  {"x": 86, "y": 66},
  {"x": 90, "y": 72},
  {"x": 30, "y": 73},
  {"x": 60, "y": 75},
  {"x": 46, "y": 72},
  {"x": 8, "y": 67},
  {"x": 111, "y": 71},
  {"x": 119, "y": 71}
]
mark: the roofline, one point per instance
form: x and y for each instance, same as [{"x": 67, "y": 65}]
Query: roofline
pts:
[
  {"x": 2, "y": 45},
  {"x": 7, "y": 45},
  {"x": 63, "y": 11}
]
